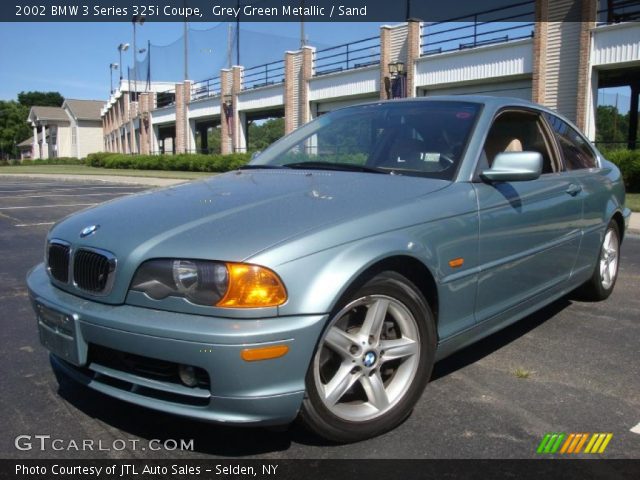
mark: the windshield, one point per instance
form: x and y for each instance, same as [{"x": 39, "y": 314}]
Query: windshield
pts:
[{"x": 426, "y": 138}]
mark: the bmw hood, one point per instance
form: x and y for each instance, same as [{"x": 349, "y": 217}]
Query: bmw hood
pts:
[{"x": 232, "y": 216}]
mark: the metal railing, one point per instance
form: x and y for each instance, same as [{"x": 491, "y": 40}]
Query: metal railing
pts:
[
  {"x": 166, "y": 98},
  {"x": 498, "y": 25},
  {"x": 347, "y": 56},
  {"x": 618, "y": 11},
  {"x": 263, "y": 75},
  {"x": 209, "y": 87}
]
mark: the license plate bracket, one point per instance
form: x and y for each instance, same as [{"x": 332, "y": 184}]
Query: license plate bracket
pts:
[{"x": 57, "y": 331}]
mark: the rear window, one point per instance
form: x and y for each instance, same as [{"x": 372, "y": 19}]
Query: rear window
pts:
[{"x": 576, "y": 151}]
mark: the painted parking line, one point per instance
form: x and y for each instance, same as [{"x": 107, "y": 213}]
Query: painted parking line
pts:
[
  {"x": 68, "y": 195},
  {"x": 34, "y": 224},
  {"x": 49, "y": 206},
  {"x": 636, "y": 429},
  {"x": 78, "y": 187}
]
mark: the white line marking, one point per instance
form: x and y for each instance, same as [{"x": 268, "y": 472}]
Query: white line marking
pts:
[
  {"x": 49, "y": 206},
  {"x": 33, "y": 224},
  {"x": 636, "y": 429},
  {"x": 62, "y": 189},
  {"x": 68, "y": 195}
]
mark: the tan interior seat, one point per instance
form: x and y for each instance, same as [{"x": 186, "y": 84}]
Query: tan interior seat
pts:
[{"x": 496, "y": 145}]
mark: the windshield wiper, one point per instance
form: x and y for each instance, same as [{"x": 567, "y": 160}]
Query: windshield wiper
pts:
[{"x": 345, "y": 167}]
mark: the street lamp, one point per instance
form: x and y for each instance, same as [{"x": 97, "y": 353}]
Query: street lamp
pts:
[
  {"x": 123, "y": 47},
  {"x": 396, "y": 68},
  {"x": 112, "y": 67},
  {"x": 398, "y": 80}
]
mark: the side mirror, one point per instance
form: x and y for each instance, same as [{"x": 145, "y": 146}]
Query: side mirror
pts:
[{"x": 514, "y": 167}]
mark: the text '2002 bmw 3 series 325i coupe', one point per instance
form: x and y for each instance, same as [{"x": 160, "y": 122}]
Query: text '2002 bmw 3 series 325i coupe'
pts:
[{"x": 324, "y": 279}]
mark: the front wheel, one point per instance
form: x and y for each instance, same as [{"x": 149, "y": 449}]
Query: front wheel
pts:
[
  {"x": 604, "y": 277},
  {"x": 372, "y": 362}
]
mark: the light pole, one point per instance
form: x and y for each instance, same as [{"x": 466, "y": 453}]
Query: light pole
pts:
[
  {"x": 137, "y": 20},
  {"x": 112, "y": 67},
  {"x": 123, "y": 47}
]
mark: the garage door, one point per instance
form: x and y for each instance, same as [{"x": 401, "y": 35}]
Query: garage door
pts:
[{"x": 521, "y": 89}]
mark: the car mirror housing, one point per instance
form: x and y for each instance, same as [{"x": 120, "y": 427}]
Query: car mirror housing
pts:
[{"x": 514, "y": 167}]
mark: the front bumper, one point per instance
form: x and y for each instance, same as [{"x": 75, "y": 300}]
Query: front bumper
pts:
[{"x": 264, "y": 392}]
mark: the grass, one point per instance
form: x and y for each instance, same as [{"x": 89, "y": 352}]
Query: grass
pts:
[
  {"x": 633, "y": 201},
  {"x": 522, "y": 373},
  {"x": 86, "y": 170}
]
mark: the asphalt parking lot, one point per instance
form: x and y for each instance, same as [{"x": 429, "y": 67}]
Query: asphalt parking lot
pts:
[{"x": 573, "y": 367}]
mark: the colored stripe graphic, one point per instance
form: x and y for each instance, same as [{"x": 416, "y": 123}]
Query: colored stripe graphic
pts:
[{"x": 572, "y": 443}]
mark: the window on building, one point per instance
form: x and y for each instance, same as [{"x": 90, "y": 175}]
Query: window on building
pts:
[{"x": 576, "y": 152}]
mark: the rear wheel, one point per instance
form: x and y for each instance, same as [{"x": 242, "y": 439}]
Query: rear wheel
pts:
[
  {"x": 372, "y": 363},
  {"x": 604, "y": 277}
]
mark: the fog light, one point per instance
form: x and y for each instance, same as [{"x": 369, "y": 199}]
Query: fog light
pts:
[{"x": 187, "y": 375}]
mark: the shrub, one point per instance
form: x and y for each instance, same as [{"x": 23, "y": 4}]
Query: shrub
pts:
[
  {"x": 184, "y": 162},
  {"x": 628, "y": 161}
]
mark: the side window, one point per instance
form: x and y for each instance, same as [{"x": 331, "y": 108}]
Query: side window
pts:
[
  {"x": 517, "y": 132},
  {"x": 575, "y": 150}
]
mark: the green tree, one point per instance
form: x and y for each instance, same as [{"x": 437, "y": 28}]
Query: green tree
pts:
[
  {"x": 263, "y": 135},
  {"x": 40, "y": 99},
  {"x": 13, "y": 127},
  {"x": 612, "y": 128}
]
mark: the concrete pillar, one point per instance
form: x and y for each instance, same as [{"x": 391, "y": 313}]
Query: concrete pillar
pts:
[
  {"x": 307, "y": 74},
  {"x": 238, "y": 139},
  {"x": 34, "y": 146},
  {"x": 226, "y": 95},
  {"x": 589, "y": 11},
  {"x": 45, "y": 148},
  {"x": 181, "y": 118},
  {"x": 385, "y": 56},
  {"x": 191, "y": 134},
  {"x": 539, "y": 66},
  {"x": 413, "y": 54},
  {"x": 143, "y": 122},
  {"x": 189, "y": 141}
]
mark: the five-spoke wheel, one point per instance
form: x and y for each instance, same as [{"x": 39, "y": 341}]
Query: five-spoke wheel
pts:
[{"x": 372, "y": 362}]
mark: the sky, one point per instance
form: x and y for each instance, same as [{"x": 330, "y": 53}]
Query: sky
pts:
[{"x": 74, "y": 58}]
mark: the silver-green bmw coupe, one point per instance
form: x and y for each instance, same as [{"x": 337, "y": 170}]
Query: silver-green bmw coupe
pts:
[{"x": 324, "y": 279}]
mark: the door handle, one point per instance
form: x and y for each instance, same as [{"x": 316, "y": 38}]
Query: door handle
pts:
[{"x": 574, "y": 189}]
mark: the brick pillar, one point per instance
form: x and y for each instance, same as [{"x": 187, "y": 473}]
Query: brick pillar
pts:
[
  {"x": 290, "y": 92},
  {"x": 226, "y": 81},
  {"x": 181, "y": 118},
  {"x": 236, "y": 87},
  {"x": 539, "y": 75},
  {"x": 413, "y": 54},
  {"x": 584, "y": 100},
  {"x": 385, "y": 56}
]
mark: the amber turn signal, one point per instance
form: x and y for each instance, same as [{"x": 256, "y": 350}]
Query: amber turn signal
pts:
[
  {"x": 252, "y": 286},
  {"x": 456, "y": 262},
  {"x": 264, "y": 353}
]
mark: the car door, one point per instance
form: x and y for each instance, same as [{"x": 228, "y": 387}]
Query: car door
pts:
[
  {"x": 529, "y": 231},
  {"x": 581, "y": 164}
]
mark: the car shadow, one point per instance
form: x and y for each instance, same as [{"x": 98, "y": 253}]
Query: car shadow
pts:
[
  {"x": 498, "y": 340},
  {"x": 214, "y": 439}
]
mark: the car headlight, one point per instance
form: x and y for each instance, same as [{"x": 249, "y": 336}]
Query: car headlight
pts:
[{"x": 204, "y": 282}]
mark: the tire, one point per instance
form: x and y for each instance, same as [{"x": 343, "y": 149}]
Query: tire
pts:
[
  {"x": 372, "y": 362},
  {"x": 605, "y": 273}
]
